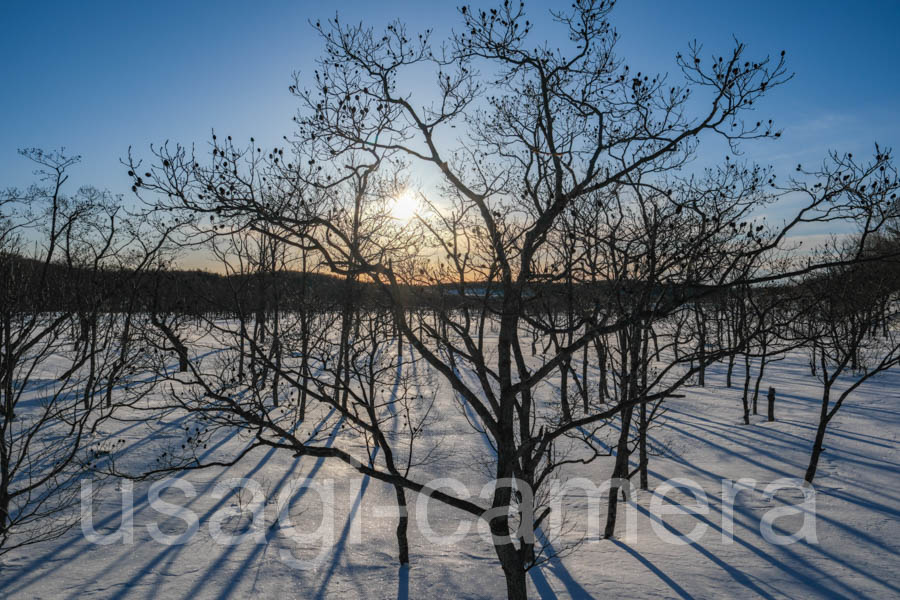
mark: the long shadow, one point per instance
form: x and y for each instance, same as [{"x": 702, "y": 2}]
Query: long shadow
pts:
[
  {"x": 345, "y": 532},
  {"x": 403, "y": 583},
  {"x": 555, "y": 565},
  {"x": 231, "y": 586},
  {"x": 658, "y": 572},
  {"x": 755, "y": 445},
  {"x": 29, "y": 573},
  {"x": 755, "y": 448},
  {"x": 836, "y": 523},
  {"x": 545, "y": 592},
  {"x": 654, "y": 569},
  {"x": 736, "y": 574},
  {"x": 838, "y": 432},
  {"x": 222, "y": 558},
  {"x": 813, "y": 404},
  {"x": 750, "y": 520},
  {"x": 559, "y": 569},
  {"x": 38, "y": 467},
  {"x": 73, "y": 550},
  {"x": 873, "y": 409},
  {"x": 169, "y": 552},
  {"x": 795, "y": 558},
  {"x": 78, "y": 392},
  {"x": 130, "y": 447},
  {"x": 316, "y": 429},
  {"x": 342, "y": 540}
]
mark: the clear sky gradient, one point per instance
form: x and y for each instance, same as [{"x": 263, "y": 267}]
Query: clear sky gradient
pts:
[{"x": 100, "y": 76}]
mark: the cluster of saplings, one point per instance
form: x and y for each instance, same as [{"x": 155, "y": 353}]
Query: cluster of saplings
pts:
[{"x": 571, "y": 273}]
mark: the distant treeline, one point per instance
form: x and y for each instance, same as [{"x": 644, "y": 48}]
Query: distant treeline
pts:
[{"x": 30, "y": 285}]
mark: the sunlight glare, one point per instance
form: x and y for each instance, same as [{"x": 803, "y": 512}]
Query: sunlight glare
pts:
[{"x": 404, "y": 206}]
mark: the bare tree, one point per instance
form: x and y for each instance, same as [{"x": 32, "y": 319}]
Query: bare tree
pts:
[
  {"x": 541, "y": 132},
  {"x": 66, "y": 309},
  {"x": 853, "y": 327}
]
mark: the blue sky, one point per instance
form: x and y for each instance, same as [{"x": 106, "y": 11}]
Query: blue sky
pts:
[{"x": 100, "y": 76}]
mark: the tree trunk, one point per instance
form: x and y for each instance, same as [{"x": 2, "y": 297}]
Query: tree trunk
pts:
[
  {"x": 601, "y": 386},
  {"x": 642, "y": 447},
  {"x": 701, "y": 330},
  {"x": 771, "y": 399},
  {"x": 816, "y": 452},
  {"x": 564, "y": 392},
  {"x": 584, "y": 380},
  {"x": 643, "y": 458},
  {"x": 514, "y": 571},
  {"x": 402, "y": 524},
  {"x": 243, "y": 350},
  {"x": 8, "y": 378},
  {"x": 701, "y": 372},
  {"x": 510, "y": 557},
  {"x": 172, "y": 337},
  {"x": 745, "y": 397},
  {"x": 619, "y": 472},
  {"x": 820, "y": 437},
  {"x": 4, "y": 511},
  {"x": 304, "y": 340},
  {"x": 276, "y": 346},
  {"x": 759, "y": 376}
]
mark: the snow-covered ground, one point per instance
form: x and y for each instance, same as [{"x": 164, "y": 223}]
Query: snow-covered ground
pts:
[{"x": 857, "y": 510}]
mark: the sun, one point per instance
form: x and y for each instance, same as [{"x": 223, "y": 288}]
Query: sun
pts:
[{"x": 404, "y": 206}]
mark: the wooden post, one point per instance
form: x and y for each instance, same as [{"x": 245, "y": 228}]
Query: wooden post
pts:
[{"x": 771, "y": 403}]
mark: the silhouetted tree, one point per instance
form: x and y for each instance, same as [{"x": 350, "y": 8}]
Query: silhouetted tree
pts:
[
  {"x": 69, "y": 271},
  {"x": 541, "y": 132}
]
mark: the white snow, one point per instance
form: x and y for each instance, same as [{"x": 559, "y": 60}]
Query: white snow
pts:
[{"x": 857, "y": 510}]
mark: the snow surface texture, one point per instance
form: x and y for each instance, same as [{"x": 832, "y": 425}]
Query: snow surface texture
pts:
[{"x": 701, "y": 438}]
